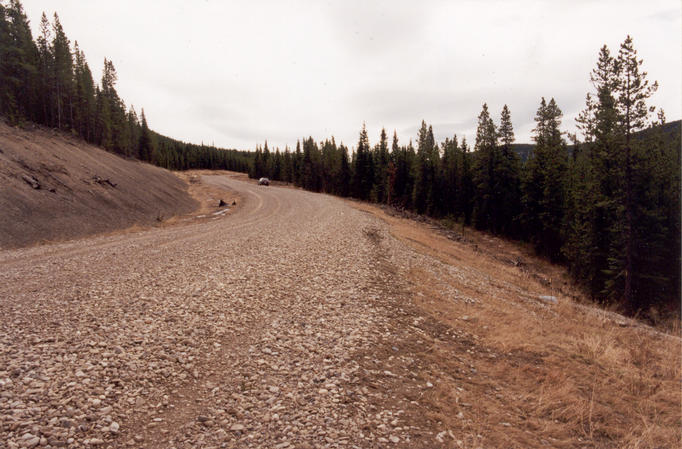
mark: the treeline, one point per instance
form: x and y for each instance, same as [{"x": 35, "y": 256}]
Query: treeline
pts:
[
  {"x": 608, "y": 206},
  {"x": 48, "y": 81}
]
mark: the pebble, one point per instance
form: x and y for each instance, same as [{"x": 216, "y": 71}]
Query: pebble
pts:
[{"x": 154, "y": 316}]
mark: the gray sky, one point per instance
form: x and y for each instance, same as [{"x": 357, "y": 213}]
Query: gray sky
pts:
[{"x": 238, "y": 72}]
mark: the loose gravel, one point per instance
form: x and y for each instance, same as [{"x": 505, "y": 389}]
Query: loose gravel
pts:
[{"x": 254, "y": 329}]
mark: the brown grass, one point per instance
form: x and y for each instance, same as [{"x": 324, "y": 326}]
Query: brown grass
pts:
[{"x": 546, "y": 375}]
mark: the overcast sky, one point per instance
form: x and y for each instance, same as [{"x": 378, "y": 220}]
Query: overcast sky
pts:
[{"x": 235, "y": 73}]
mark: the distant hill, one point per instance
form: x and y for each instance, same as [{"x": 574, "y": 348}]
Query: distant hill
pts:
[
  {"x": 524, "y": 150},
  {"x": 671, "y": 131}
]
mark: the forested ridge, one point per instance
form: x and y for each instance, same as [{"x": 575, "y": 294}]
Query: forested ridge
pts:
[
  {"x": 48, "y": 81},
  {"x": 605, "y": 203}
]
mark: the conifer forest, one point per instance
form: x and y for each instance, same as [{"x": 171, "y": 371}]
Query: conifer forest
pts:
[{"x": 604, "y": 202}]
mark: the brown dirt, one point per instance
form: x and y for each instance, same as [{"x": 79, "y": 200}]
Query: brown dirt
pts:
[
  {"x": 83, "y": 190},
  {"x": 512, "y": 371}
]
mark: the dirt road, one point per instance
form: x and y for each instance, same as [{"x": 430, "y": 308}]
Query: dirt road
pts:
[
  {"x": 298, "y": 321},
  {"x": 243, "y": 331}
]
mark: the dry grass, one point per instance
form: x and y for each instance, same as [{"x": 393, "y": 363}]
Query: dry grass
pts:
[{"x": 545, "y": 375}]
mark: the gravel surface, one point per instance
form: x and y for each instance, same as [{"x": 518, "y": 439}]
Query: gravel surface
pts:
[{"x": 272, "y": 327}]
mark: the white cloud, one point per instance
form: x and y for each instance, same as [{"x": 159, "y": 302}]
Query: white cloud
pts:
[{"x": 238, "y": 72}]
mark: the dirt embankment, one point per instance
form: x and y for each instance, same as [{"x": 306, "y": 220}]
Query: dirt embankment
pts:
[{"x": 56, "y": 187}]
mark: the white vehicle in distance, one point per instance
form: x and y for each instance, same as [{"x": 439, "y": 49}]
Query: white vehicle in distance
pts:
[{"x": 263, "y": 182}]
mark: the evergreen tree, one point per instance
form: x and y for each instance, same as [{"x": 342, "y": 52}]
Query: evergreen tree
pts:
[
  {"x": 7, "y": 102},
  {"x": 466, "y": 189},
  {"x": 146, "y": 145},
  {"x": 18, "y": 65},
  {"x": 632, "y": 91},
  {"x": 426, "y": 165},
  {"x": 623, "y": 224},
  {"x": 287, "y": 166},
  {"x": 381, "y": 158},
  {"x": 345, "y": 173},
  {"x": 508, "y": 179},
  {"x": 62, "y": 76},
  {"x": 595, "y": 182},
  {"x": 486, "y": 157},
  {"x": 363, "y": 168},
  {"x": 544, "y": 189},
  {"x": 134, "y": 134},
  {"x": 297, "y": 165},
  {"x": 450, "y": 177},
  {"x": 84, "y": 97},
  {"x": 45, "y": 71}
]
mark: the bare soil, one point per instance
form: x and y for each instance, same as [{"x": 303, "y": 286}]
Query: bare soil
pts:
[{"x": 54, "y": 187}]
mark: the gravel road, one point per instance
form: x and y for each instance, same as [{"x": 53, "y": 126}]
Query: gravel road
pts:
[{"x": 259, "y": 328}]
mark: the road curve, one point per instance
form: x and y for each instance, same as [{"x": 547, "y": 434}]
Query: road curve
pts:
[{"x": 252, "y": 329}]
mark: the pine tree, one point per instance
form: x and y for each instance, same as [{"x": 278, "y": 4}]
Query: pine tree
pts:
[
  {"x": 345, "y": 172},
  {"x": 18, "y": 65},
  {"x": 508, "y": 179},
  {"x": 7, "y": 103},
  {"x": 297, "y": 165},
  {"x": 84, "y": 97},
  {"x": 62, "y": 76},
  {"x": 544, "y": 187},
  {"x": 146, "y": 146},
  {"x": 425, "y": 170},
  {"x": 134, "y": 134},
  {"x": 363, "y": 168},
  {"x": 632, "y": 90},
  {"x": 466, "y": 189},
  {"x": 486, "y": 158},
  {"x": 594, "y": 208},
  {"x": 381, "y": 157},
  {"x": 622, "y": 221}
]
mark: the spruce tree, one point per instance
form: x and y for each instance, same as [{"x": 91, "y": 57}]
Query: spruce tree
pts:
[
  {"x": 381, "y": 157},
  {"x": 544, "y": 193},
  {"x": 84, "y": 97},
  {"x": 18, "y": 65},
  {"x": 62, "y": 76},
  {"x": 483, "y": 172},
  {"x": 345, "y": 173},
  {"x": 363, "y": 168},
  {"x": 146, "y": 145},
  {"x": 425, "y": 170},
  {"x": 508, "y": 174},
  {"x": 632, "y": 91}
]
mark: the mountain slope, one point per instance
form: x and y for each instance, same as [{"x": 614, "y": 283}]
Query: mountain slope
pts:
[
  {"x": 670, "y": 132},
  {"x": 53, "y": 187}
]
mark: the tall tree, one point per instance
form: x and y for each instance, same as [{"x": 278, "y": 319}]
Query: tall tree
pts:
[
  {"x": 62, "y": 76},
  {"x": 84, "y": 97},
  {"x": 363, "y": 168},
  {"x": 18, "y": 65},
  {"x": 632, "y": 91},
  {"x": 146, "y": 145},
  {"x": 381, "y": 158},
  {"x": 508, "y": 178},
  {"x": 426, "y": 165},
  {"x": 486, "y": 158},
  {"x": 594, "y": 209},
  {"x": 544, "y": 188}
]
